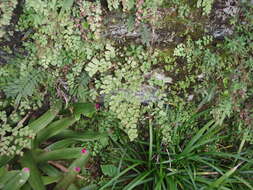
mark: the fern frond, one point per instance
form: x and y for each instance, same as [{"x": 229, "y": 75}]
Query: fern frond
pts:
[{"x": 23, "y": 86}]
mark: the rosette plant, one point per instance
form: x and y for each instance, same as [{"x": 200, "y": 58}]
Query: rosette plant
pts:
[{"x": 53, "y": 141}]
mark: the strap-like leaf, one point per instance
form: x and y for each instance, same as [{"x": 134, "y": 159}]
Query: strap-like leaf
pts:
[
  {"x": 54, "y": 129},
  {"x": 46, "y": 118},
  {"x": 18, "y": 181},
  {"x": 221, "y": 179},
  {"x": 73, "y": 170},
  {"x": 188, "y": 148},
  {"x": 116, "y": 177},
  {"x": 35, "y": 179},
  {"x": 86, "y": 109},
  {"x": 61, "y": 154},
  {"x": 7, "y": 177}
]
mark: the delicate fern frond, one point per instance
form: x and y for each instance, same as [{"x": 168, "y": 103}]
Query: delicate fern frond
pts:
[
  {"x": 81, "y": 91},
  {"x": 23, "y": 86}
]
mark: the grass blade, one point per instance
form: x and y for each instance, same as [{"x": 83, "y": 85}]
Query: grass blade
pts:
[
  {"x": 150, "y": 145},
  {"x": 196, "y": 138},
  {"x": 225, "y": 176},
  {"x": 138, "y": 180},
  {"x": 108, "y": 184},
  {"x": 246, "y": 183}
]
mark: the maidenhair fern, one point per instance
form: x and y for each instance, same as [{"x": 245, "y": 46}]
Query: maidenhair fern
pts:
[{"x": 206, "y": 5}]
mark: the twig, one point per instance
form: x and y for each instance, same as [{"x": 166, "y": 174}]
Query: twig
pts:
[{"x": 20, "y": 123}]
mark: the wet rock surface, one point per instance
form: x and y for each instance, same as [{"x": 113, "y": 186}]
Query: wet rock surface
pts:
[{"x": 217, "y": 24}]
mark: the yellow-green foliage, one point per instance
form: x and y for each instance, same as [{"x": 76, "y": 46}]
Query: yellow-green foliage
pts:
[
  {"x": 121, "y": 87},
  {"x": 13, "y": 139},
  {"x": 206, "y": 5}
]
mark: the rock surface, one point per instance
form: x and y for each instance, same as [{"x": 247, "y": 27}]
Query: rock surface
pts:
[{"x": 219, "y": 26}]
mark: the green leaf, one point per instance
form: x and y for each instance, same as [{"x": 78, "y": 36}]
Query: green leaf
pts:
[
  {"x": 27, "y": 186},
  {"x": 54, "y": 129},
  {"x": 86, "y": 109},
  {"x": 70, "y": 137},
  {"x": 61, "y": 154},
  {"x": 46, "y": 118},
  {"x": 18, "y": 181},
  {"x": 67, "y": 4},
  {"x": 171, "y": 183},
  {"x": 104, "y": 141},
  {"x": 190, "y": 145},
  {"x": 3, "y": 171},
  {"x": 65, "y": 143},
  {"x": 8, "y": 176},
  {"x": 245, "y": 182},
  {"x": 49, "y": 180},
  {"x": 70, "y": 176},
  {"x": 35, "y": 179},
  {"x": 89, "y": 187},
  {"x": 4, "y": 160},
  {"x": 83, "y": 137},
  {"x": 221, "y": 179},
  {"x": 138, "y": 180},
  {"x": 150, "y": 152},
  {"x": 24, "y": 86},
  {"x": 85, "y": 25},
  {"x": 73, "y": 187},
  {"x": 49, "y": 170},
  {"x": 109, "y": 170},
  {"x": 119, "y": 175},
  {"x": 130, "y": 4}
]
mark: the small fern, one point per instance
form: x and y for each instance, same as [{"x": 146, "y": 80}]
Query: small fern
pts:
[
  {"x": 146, "y": 35},
  {"x": 24, "y": 86}
]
